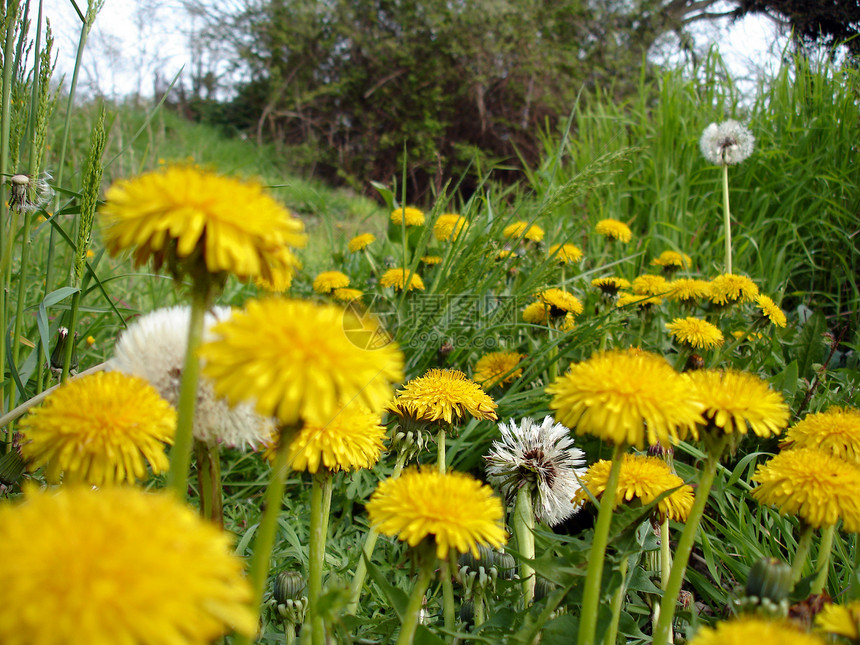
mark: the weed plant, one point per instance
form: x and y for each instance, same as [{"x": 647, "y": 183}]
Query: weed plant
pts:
[{"x": 794, "y": 216}]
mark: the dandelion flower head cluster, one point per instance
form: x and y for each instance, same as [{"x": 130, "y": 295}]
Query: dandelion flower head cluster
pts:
[
  {"x": 397, "y": 278},
  {"x": 642, "y": 478},
  {"x": 843, "y": 620},
  {"x": 297, "y": 360},
  {"x": 153, "y": 348},
  {"x": 328, "y": 281},
  {"x": 361, "y": 241},
  {"x": 102, "y": 429},
  {"x": 812, "y": 485},
  {"x": 542, "y": 457},
  {"x": 729, "y": 288},
  {"x": 448, "y": 226},
  {"x": 517, "y": 230},
  {"x": 412, "y": 215},
  {"x": 752, "y": 629},
  {"x": 497, "y": 368},
  {"x": 628, "y": 397},
  {"x": 443, "y": 395},
  {"x": 736, "y": 401},
  {"x": 727, "y": 143},
  {"x": 565, "y": 253},
  {"x": 180, "y": 212},
  {"x": 453, "y": 509},
  {"x": 695, "y": 332},
  {"x": 610, "y": 285},
  {"x": 349, "y": 440},
  {"x": 117, "y": 565},
  {"x": 673, "y": 260},
  {"x": 614, "y": 230},
  {"x": 771, "y": 311},
  {"x": 835, "y": 431}
]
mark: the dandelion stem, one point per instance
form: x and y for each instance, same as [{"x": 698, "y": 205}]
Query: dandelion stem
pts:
[
  {"x": 663, "y": 631},
  {"x": 426, "y": 561},
  {"x": 320, "y": 503},
  {"x": 727, "y": 218},
  {"x": 258, "y": 569},
  {"x": 357, "y": 583},
  {"x": 665, "y": 552},
  {"x": 180, "y": 456},
  {"x": 803, "y": 545},
  {"x": 440, "y": 448},
  {"x": 524, "y": 527},
  {"x": 209, "y": 481},
  {"x": 449, "y": 613},
  {"x": 823, "y": 566},
  {"x": 617, "y": 602},
  {"x": 594, "y": 573}
]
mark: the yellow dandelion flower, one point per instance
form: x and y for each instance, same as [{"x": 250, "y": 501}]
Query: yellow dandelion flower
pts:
[
  {"x": 349, "y": 440},
  {"x": 643, "y": 478},
  {"x": 626, "y": 397},
  {"x": 101, "y": 429},
  {"x": 444, "y": 395},
  {"x": 673, "y": 259},
  {"x": 843, "y": 620},
  {"x": 397, "y": 278},
  {"x": 523, "y": 230},
  {"x": 770, "y": 310},
  {"x": 431, "y": 259},
  {"x": 453, "y": 509},
  {"x": 610, "y": 285},
  {"x": 650, "y": 285},
  {"x": 181, "y": 212},
  {"x": 728, "y": 288},
  {"x": 360, "y": 242},
  {"x": 117, "y": 565},
  {"x": 91, "y": 341},
  {"x": 835, "y": 431},
  {"x": 687, "y": 289},
  {"x": 449, "y": 226},
  {"x": 536, "y": 313},
  {"x": 735, "y": 401},
  {"x": 643, "y": 302},
  {"x": 560, "y": 302},
  {"x": 90, "y": 254},
  {"x": 497, "y": 368},
  {"x": 347, "y": 295},
  {"x": 565, "y": 253},
  {"x": 752, "y": 629},
  {"x": 812, "y": 485},
  {"x": 298, "y": 359},
  {"x": 504, "y": 254},
  {"x": 614, "y": 230},
  {"x": 413, "y": 216},
  {"x": 328, "y": 281},
  {"x": 695, "y": 332},
  {"x": 753, "y": 335}
]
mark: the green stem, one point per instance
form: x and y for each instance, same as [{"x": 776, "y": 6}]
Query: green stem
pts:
[
  {"x": 440, "y": 450},
  {"x": 320, "y": 493},
  {"x": 426, "y": 559},
  {"x": 524, "y": 527},
  {"x": 180, "y": 456},
  {"x": 594, "y": 573},
  {"x": 478, "y": 604},
  {"x": 727, "y": 219},
  {"x": 209, "y": 480},
  {"x": 663, "y": 632},
  {"x": 357, "y": 583},
  {"x": 823, "y": 566},
  {"x": 70, "y": 339},
  {"x": 258, "y": 568},
  {"x": 617, "y": 602},
  {"x": 449, "y": 612},
  {"x": 803, "y": 545},
  {"x": 665, "y": 552}
]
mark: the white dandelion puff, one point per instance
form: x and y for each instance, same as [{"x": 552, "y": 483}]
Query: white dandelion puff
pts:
[
  {"x": 153, "y": 347},
  {"x": 727, "y": 143},
  {"x": 542, "y": 457}
]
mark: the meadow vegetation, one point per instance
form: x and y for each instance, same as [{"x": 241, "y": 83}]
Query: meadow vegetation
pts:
[{"x": 593, "y": 290}]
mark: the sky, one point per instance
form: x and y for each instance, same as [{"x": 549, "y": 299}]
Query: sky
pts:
[{"x": 134, "y": 41}]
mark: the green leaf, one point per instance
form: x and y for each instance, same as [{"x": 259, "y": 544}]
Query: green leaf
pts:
[
  {"x": 397, "y": 598},
  {"x": 810, "y": 344}
]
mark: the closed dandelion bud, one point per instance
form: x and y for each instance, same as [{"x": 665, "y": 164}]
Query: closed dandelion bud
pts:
[
  {"x": 289, "y": 585},
  {"x": 769, "y": 578},
  {"x": 506, "y": 564},
  {"x": 467, "y": 612},
  {"x": 485, "y": 560},
  {"x": 60, "y": 351},
  {"x": 543, "y": 588}
]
